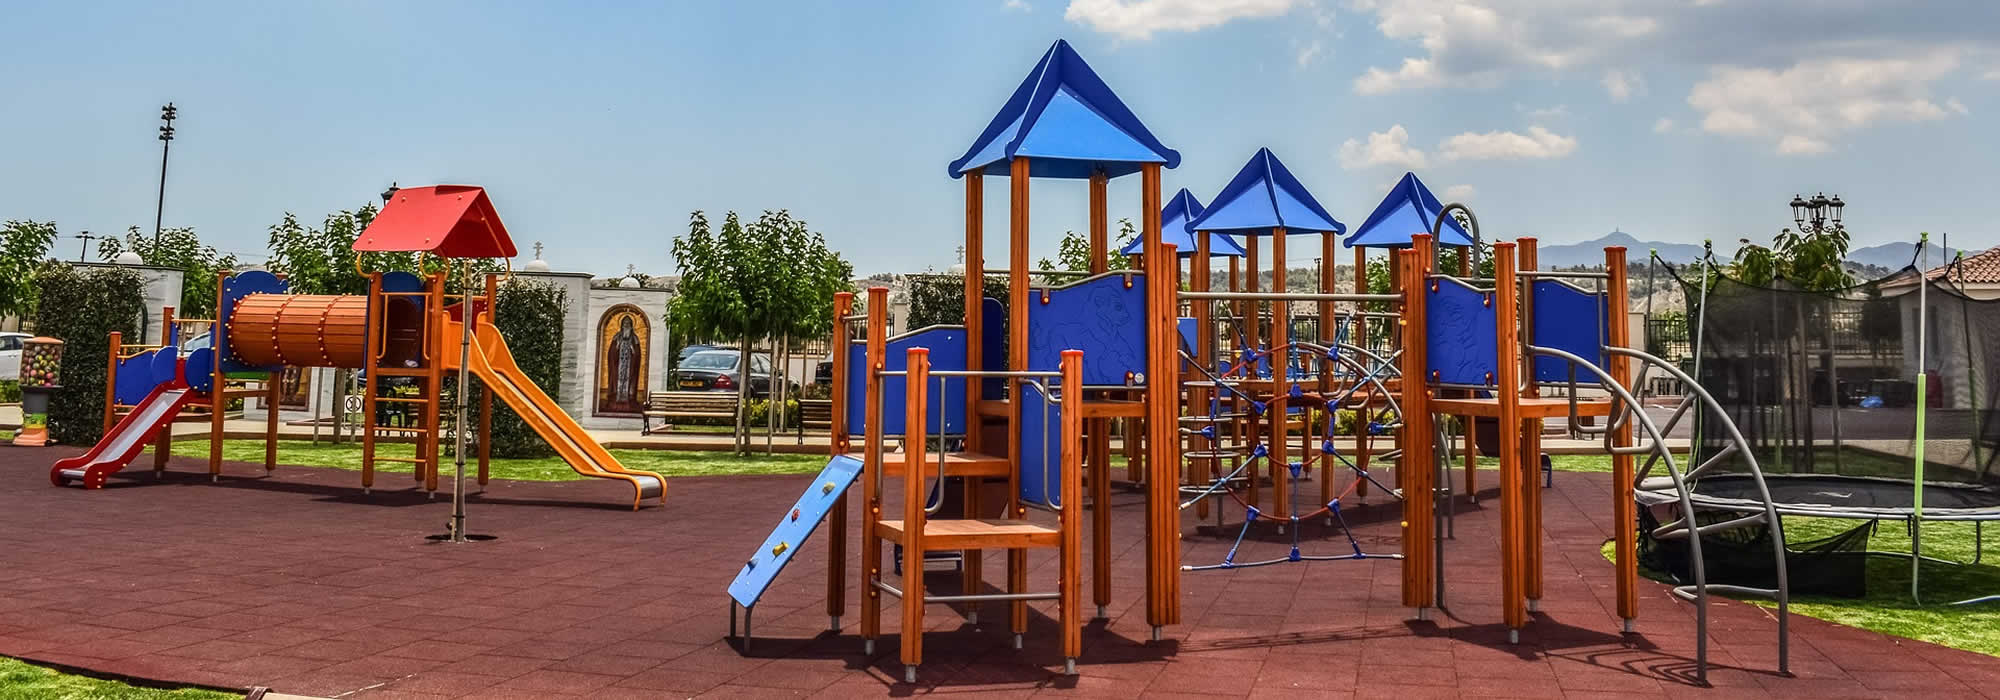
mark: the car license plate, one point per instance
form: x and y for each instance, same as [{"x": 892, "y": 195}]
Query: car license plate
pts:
[{"x": 693, "y": 383}]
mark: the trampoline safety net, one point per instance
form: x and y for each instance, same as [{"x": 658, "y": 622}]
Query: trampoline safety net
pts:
[{"x": 1824, "y": 383}]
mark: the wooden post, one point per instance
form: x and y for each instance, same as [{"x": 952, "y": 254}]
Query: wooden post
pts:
[
  {"x": 1329, "y": 283},
  {"x": 1163, "y": 405},
  {"x": 163, "y": 444},
  {"x": 1531, "y": 434},
  {"x": 974, "y": 562},
  {"x": 1365, "y": 409},
  {"x": 918, "y": 363},
  {"x": 836, "y": 518},
  {"x": 1506, "y": 326},
  {"x": 1623, "y": 513},
  {"x": 1417, "y": 562},
  {"x": 377, "y": 327},
  {"x": 111, "y": 382},
  {"x": 871, "y": 463},
  {"x": 1017, "y": 360},
  {"x": 1069, "y": 585},
  {"x": 1281, "y": 383},
  {"x": 218, "y": 397},
  {"x": 1100, "y": 222},
  {"x": 1199, "y": 397},
  {"x": 427, "y": 471},
  {"x": 273, "y": 393},
  {"x": 1253, "y": 324}
]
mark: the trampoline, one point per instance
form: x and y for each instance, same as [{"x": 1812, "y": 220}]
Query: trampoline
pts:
[{"x": 1835, "y": 496}]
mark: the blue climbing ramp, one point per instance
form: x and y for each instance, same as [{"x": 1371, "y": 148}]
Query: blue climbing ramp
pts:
[
  {"x": 1572, "y": 320},
  {"x": 1104, "y": 316},
  {"x": 793, "y": 530},
  {"x": 947, "y": 346},
  {"x": 1459, "y": 334}
]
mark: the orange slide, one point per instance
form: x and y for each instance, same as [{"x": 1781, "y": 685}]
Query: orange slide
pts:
[{"x": 495, "y": 366}]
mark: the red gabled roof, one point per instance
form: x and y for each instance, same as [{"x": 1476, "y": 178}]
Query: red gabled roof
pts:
[
  {"x": 1981, "y": 268},
  {"x": 450, "y": 221}
]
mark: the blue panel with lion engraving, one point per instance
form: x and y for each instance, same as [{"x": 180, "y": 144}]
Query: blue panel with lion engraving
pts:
[
  {"x": 1104, "y": 316},
  {"x": 1459, "y": 334}
]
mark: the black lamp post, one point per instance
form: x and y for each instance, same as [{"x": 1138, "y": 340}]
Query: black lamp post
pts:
[
  {"x": 389, "y": 193},
  {"x": 1817, "y": 215},
  {"x": 167, "y": 116}
]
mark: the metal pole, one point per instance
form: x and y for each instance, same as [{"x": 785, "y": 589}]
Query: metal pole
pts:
[
  {"x": 167, "y": 114},
  {"x": 1923, "y": 387},
  {"x": 467, "y": 318}
]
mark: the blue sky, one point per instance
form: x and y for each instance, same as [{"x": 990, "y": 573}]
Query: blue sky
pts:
[{"x": 599, "y": 126}]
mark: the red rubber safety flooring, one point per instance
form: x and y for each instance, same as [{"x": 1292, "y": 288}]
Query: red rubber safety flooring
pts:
[{"x": 299, "y": 582}]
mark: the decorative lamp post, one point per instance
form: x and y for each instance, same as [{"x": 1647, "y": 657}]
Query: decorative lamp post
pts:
[
  {"x": 1817, "y": 215},
  {"x": 41, "y": 370}
]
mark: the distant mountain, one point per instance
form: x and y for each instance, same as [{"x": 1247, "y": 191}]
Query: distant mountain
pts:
[
  {"x": 1892, "y": 256},
  {"x": 1895, "y": 255},
  {"x": 1592, "y": 252}
]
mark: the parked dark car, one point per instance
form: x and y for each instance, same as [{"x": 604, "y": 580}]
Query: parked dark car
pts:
[
  {"x": 698, "y": 347},
  {"x": 823, "y": 372},
  {"x": 715, "y": 370}
]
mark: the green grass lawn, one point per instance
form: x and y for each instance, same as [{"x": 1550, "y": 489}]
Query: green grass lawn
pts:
[
  {"x": 24, "y": 681},
  {"x": 301, "y": 453}
]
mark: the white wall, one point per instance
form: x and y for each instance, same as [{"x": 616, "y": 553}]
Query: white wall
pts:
[{"x": 654, "y": 303}]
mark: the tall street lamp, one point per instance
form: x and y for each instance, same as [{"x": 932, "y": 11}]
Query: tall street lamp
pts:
[{"x": 167, "y": 115}]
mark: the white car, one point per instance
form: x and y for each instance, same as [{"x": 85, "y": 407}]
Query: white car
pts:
[{"x": 10, "y": 355}]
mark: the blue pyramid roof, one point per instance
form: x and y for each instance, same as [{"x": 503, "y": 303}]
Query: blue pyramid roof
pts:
[
  {"x": 1409, "y": 209},
  {"x": 1068, "y": 123},
  {"x": 1264, "y": 195},
  {"x": 1173, "y": 229}
]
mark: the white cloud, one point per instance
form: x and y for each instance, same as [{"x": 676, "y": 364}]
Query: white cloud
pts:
[
  {"x": 1482, "y": 43},
  {"x": 1390, "y": 147},
  {"x": 1308, "y": 52},
  {"x": 1537, "y": 144},
  {"x": 1459, "y": 192},
  {"x": 1021, "y": 5},
  {"x": 1622, "y": 85},
  {"x": 1801, "y": 109},
  {"x": 1664, "y": 125},
  {"x": 1140, "y": 19}
]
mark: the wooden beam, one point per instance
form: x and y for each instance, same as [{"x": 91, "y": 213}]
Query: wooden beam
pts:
[
  {"x": 1417, "y": 562},
  {"x": 974, "y": 571},
  {"x": 1017, "y": 360},
  {"x": 836, "y": 517},
  {"x": 918, "y": 363},
  {"x": 1163, "y": 400},
  {"x": 1100, "y": 222},
  {"x": 1527, "y": 254},
  {"x": 1513, "y": 604},
  {"x": 1281, "y": 381},
  {"x": 876, "y": 337}
]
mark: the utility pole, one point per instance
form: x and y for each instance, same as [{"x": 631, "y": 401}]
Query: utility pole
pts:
[
  {"x": 84, "y": 248},
  {"x": 167, "y": 116}
]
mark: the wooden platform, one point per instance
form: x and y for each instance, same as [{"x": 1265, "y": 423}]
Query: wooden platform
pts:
[
  {"x": 1531, "y": 408},
  {"x": 976, "y": 534}
]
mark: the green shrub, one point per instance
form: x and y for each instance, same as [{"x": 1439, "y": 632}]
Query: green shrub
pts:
[
  {"x": 82, "y": 307},
  {"x": 530, "y": 316}
]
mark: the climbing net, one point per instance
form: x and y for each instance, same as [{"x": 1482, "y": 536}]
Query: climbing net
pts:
[{"x": 1358, "y": 371}]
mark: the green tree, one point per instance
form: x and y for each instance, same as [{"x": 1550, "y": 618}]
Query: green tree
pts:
[
  {"x": 180, "y": 249},
  {"x": 322, "y": 260},
  {"x": 1073, "y": 253},
  {"x": 772, "y": 279},
  {"x": 23, "y": 247}
]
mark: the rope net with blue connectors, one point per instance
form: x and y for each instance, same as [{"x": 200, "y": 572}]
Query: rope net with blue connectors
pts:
[{"x": 1358, "y": 371}]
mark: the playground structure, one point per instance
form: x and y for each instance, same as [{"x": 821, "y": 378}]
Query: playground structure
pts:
[
  {"x": 1442, "y": 345},
  {"x": 399, "y": 333}
]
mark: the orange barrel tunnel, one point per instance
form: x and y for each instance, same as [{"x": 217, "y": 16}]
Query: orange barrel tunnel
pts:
[{"x": 300, "y": 330}]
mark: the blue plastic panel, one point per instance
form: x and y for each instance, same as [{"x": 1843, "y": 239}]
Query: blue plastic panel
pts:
[
  {"x": 1188, "y": 330},
  {"x": 1041, "y": 448},
  {"x": 1459, "y": 334},
  {"x": 794, "y": 528},
  {"x": 947, "y": 346},
  {"x": 200, "y": 370},
  {"x": 233, "y": 290},
  {"x": 1102, "y": 316},
  {"x": 135, "y": 378},
  {"x": 1572, "y": 320}
]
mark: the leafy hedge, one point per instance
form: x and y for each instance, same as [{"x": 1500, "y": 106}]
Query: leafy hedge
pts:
[
  {"x": 530, "y": 316},
  {"x": 82, "y": 307}
]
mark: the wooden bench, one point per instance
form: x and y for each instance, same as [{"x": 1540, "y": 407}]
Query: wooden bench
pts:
[
  {"x": 816, "y": 414},
  {"x": 669, "y": 405}
]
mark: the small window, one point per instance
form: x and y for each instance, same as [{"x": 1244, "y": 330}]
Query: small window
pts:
[{"x": 10, "y": 343}]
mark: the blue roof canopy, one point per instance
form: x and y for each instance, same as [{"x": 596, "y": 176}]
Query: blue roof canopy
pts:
[
  {"x": 1068, "y": 123},
  {"x": 1409, "y": 209},
  {"x": 1173, "y": 229},
  {"x": 1263, "y": 196}
]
